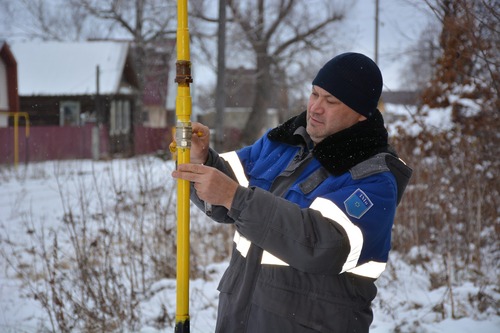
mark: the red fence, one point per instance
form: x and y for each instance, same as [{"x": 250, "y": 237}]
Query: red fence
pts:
[
  {"x": 151, "y": 140},
  {"x": 57, "y": 143}
]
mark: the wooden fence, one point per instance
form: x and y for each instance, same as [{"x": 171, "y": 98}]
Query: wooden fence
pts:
[{"x": 59, "y": 143}]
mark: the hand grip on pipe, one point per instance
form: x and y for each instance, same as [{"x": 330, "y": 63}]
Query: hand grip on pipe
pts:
[{"x": 172, "y": 147}]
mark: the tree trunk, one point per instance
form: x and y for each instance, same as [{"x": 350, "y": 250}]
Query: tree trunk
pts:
[{"x": 257, "y": 121}]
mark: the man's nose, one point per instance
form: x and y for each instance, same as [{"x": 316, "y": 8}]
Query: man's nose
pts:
[{"x": 317, "y": 106}]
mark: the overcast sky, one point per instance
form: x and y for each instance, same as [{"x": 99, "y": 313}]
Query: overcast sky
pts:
[{"x": 401, "y": 22}]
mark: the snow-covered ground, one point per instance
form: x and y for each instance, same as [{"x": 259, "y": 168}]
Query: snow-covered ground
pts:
[{"x": 37, "y": 196}]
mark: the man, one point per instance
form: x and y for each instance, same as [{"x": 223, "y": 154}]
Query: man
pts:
[{"x": 313, "y": 207}]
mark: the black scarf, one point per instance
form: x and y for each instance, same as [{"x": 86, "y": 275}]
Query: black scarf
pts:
[{"x": 340, "y": 151}]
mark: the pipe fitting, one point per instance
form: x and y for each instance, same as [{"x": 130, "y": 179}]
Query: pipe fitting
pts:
[{"x": 183, "y": 134}]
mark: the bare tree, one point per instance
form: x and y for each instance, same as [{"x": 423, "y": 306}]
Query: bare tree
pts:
[
  {"x": 276, "y": 38},
  {"x": 469, "y": 65},
  {"x": 142, "y": 20},
  {"x": 43, "y": 20},
  {"x": 148, "y": 23},
  {"x": 423, "y": 55},
  {"x": 461, "y": 163},
  {"x": 277, "y": 32}
]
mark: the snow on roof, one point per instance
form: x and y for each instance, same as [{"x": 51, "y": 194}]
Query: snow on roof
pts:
[{"x": 69, "y": 68}]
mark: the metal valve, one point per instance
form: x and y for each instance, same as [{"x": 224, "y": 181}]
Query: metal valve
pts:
[{"x": 183, "y": 133}]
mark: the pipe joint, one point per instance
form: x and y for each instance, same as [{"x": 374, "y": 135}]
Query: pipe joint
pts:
[
  {"x": 183, "y": 134},
  {"x": 183, "y": 72}
]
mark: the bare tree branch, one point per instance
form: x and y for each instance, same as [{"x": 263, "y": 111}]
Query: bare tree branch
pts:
[{"x": 275, "y": 30}]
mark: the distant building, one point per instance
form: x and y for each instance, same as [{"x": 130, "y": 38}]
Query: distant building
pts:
[
  {"x": 159, "y": 84},
  {"x": 9, "y": 99},
  {"x": 239, "y": 91},
  {"x": 82, "y": 100},
  {"x": 401, "y": 97},
  {"x": 398, "y": 105},
  {"x": 73, "y": 83}
]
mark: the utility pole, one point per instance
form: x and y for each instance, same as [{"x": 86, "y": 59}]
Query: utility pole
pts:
[
  {"x": 96, "y": 151},
  {"x": 220, "y": 95},
  {"x": 381, "y": 105}
]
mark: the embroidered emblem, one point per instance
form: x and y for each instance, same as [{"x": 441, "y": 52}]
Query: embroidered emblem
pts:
[{"x": 358, "y": 204}]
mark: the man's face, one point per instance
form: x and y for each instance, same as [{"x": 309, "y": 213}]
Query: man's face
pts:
[{"x": 327, "y": 115}]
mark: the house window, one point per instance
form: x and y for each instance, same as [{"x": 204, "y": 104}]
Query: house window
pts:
[
  {"x": 69, "y": 113},
  {"x": 4, "y": 97},
  {"x": 119, "y": 117},
  {"x": 145, "y": 117}
]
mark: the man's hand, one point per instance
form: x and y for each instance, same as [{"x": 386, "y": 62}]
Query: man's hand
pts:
[
  {"x": 211, "y": 185},
  {"x": 200, "y": 142}
]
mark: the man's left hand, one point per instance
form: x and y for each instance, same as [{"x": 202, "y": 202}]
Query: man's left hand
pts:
[{"x": 211, "y": 185}]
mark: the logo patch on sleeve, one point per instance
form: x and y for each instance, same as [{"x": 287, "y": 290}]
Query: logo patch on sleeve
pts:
[{"x": 357, "y": 204}]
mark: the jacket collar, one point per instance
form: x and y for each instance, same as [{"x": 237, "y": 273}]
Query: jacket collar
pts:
[{"x": 340, "y": 151}]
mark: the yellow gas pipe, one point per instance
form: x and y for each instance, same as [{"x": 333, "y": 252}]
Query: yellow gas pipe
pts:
[
  {"x": 16, "y": 116},
  {"x": 183, "y": 134}
]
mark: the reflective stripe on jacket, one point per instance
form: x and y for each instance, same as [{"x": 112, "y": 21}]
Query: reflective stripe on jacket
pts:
[{"x": 335, "y": 210}]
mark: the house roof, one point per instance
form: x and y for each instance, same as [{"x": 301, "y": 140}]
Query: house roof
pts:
[
  {"x": 69, "y": 68},
  {"x": 6, "y": 53},
  {"x": 401, "y": 97}
]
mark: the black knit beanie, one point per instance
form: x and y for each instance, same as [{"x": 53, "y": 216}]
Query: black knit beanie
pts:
[{"x": 354, "y": 79}]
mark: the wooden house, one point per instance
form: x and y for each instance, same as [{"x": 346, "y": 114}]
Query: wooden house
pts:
[
  {"x": 9, "y": 99},
  {"x": 74, "y": 84},
  {"x": 159, "y": 84}
]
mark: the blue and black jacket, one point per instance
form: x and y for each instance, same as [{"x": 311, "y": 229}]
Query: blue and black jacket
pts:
[{"x": 313, "y": 228}]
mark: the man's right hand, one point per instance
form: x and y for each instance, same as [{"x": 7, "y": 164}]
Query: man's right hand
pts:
[{"x": 200, "y": 143}]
